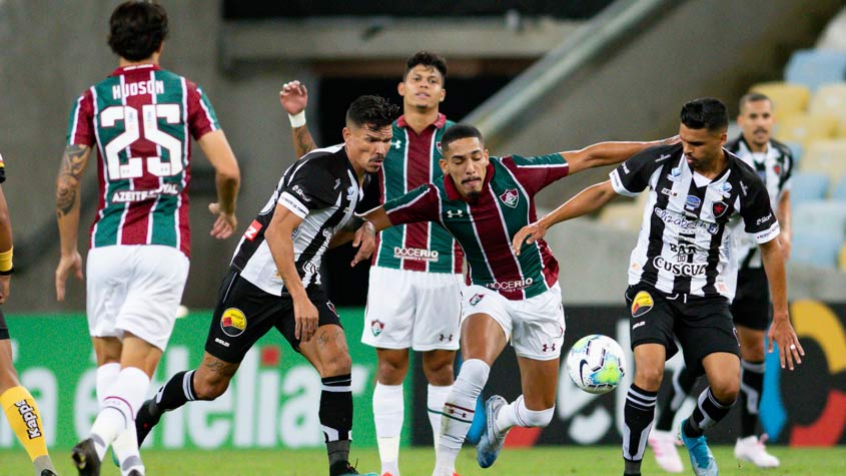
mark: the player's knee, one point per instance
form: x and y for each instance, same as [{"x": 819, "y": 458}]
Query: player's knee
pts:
[
  {"x": 439, "y": 369},
  {"x": 649, "y": 378},
  {"x": 338, "y": 363},
  {"x": 753, "y": 351},
  {"x": 726, "y": 388},
  {"x": 538, "y": 419}
]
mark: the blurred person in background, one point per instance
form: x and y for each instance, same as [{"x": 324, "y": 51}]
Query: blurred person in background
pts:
[
  {"x": 141, "y": 119},
  {"x": 773, "y": 162},
  {"x": 16, "y": 401},
  {"x": 414, "y": 296},
  {"x": 683, "y": 272}
]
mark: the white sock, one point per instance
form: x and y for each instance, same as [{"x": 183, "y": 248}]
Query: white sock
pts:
[
  {"x": 516, "y": 414},
  {"x": 126, "y": 449},
  {"x": 458, "y": 412},
  {"x": 435, "y": 399},
  {"x": 122, "y": 402},
  {"x": 388, "y": 412},
  {"x": 107, "y": 374}
]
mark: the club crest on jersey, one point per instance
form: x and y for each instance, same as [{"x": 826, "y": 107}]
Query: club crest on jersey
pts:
[
  {"x": 692, "y": 203},
  {"x": 438, "y": 146},
  {"x": 233, "y": 322},
  {"x": 642, "y": 303},
  {"x": 376, "y": 327},
  {"x": 719, "y": 209},
  {"x": 777, "y": 169},
  {"x": 510, "y": 197},
  {"x": 476, "y": 298}
]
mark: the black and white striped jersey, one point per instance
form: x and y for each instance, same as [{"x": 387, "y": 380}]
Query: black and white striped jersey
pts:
[
  {"x": 685, "y": 239},
  {"x": 323, "y": 190},
  {"x": 775, "y": 167}
]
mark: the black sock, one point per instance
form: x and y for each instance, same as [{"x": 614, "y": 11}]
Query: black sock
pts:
[
  {"x": 336, "y": 414},
  {"x": 751, "y": 387},
  {"x": 682, "y": 385},
  {"x": 708, "y": 412},
  {"x": 639, "y": 413},
  {"x": 178, "y": 391}
]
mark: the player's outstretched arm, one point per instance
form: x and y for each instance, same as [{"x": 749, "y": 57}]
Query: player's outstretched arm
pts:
[
  {"x": 279, "y": 239},
  {"x": 227, "y": 179},
  {"x": 294, "y": 99},
  {"x": 73, "y": 166},
  {"x": 5, "y": 249},
  {"x": 588, "y": 200},
  {"x": 781, "y": 331},
  {"x": 608, "y": 153}
]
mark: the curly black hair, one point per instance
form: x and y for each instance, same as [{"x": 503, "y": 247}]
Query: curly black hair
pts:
[{"x": 426, "y": 58}]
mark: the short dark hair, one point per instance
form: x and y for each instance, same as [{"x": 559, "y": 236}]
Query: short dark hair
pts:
[
  {"x": 426, "y": 58},
  {"x": 708, "y": 113},
  {"x": 137, "y": 29},
  {"x": 460, "y": 131},
  {"x": 374, "y": 111},
  {"x": 753, "y": 97}
]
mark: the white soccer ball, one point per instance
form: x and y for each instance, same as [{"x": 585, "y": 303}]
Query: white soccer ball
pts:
[{"x": 596, "y": 364}]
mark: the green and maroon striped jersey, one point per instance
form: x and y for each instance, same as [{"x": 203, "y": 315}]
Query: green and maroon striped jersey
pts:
[
  {"x": 142, "y": 119},
  {"x": 412, "y": 161},
  {"x": 485, "y": 227}
]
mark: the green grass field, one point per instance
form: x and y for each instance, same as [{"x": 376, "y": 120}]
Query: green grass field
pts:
[{"x": 418, "y": 462}]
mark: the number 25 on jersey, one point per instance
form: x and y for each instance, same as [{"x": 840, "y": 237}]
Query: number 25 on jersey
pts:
[{"x": 132, "y": 132}]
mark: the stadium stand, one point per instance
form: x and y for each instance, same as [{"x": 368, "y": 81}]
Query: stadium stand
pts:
[
  {"x": 821, "y": 217},
  {"x": 623, "y": 216},
  {"x": 827, "y": 157},
  {"x": 805, "y": 128},
  {"x": 808, "y": 186},
  {"x": 789, "y": 99},
  {"x": 814, "y": 68},
  {"x": 839, "y": 193},
  {"x": 815, "y": 249}
]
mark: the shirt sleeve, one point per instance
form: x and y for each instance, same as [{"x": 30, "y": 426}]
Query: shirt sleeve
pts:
[
  {"x": 757, "y": 213},
  {"x": 535, "y": 173},
  {"x": 788, "y": 172},
  {"x": 419, "y": 205},
  {"x": 81, "y": 122},
  {"x": 632, "y": 176},
  {"x": 311, "y": 188},
  {"x": 201, "y": 116}
]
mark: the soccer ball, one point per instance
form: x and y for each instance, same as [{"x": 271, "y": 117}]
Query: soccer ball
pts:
[{"x": 596, "y": 364}]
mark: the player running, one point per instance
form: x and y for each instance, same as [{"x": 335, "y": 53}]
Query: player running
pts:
[
  {"x": 414, "y": 297},
  {"x": 141, "y": 119},
  {"x": 682, "y": 272},
  {"x": 15, "y": 400},
  {"x": 482, "y": 201},
  {"x": 274, "y": 280},
  {"x": 750, "y": 308}
]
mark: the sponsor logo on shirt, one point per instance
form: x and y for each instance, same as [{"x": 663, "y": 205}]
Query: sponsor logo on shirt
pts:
[
  {"x": 688, "y": 270},
  {"x": 692, "y": 203},
  {"x": 233, "y": 322},
  {"x": 675, "y": 174},
  {"x": 642, "y": 303},
  {"x": 765, "y": 219},
  {"x": 625, "y": 168},
  {"x": 134, "y": 196},
  {"x": 254, "y": 229},
  {"x": 683, "y": 224},
  {"x": 415, "y": 254},
  {"x": 510, "y": 197},
  {"x": 300, "y": 193},
  {"x": 455, "y": 213},
  {"x": 510, "y": 285},
  {"x": 396, "y": 144},
  {"x": 668, "y": 192}
]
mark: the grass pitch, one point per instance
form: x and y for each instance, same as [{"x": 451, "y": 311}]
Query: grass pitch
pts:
[{"x": 546, "y": 461}]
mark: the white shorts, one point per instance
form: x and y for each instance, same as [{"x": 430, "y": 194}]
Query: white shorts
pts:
[
  {"x": 135, "y": 289},
  {"x": 534, "y": 326},
  {"x": 412, "y": 309}
]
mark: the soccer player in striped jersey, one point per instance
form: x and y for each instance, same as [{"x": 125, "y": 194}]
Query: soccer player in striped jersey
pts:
[
  {"x": 683, "y": 271},
  {"x": 750, "y": 308},
  {"x": 414, "y": 297},
  {"x": 483, "y": 201},
  {"x": 15, "y": 400},
  {"x": 141, "y": 119}
]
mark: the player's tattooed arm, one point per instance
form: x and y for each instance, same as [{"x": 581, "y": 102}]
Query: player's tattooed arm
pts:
[
  {"x": 70, "y": 175},
  {"x": 294, "y": 98},
  {"x": 303, "y": 142}
]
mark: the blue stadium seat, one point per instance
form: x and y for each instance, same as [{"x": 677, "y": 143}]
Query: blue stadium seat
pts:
[
  {"x": 839, "y": 193},
  {"x": 824, "y": 217},
  {"x": 797, "y": 150},
  {"x": 808, "y": 186},
  {"x": 815, "y": 250},
  {"x": 815, "y": 67}
]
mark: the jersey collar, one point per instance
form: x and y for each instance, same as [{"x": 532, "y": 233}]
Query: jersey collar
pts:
[
  {"x": 439, "y": 123},
  {"x": 452, "y": 191},
  {"x": 135, "y": 67}
]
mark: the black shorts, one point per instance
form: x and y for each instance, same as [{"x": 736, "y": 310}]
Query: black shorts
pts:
[
  {"x": 751, "y": 306},
  {"x": 245, "y": 313},
  {"x": 703, "y": 326},
  {"x": 4, "y": 329}
]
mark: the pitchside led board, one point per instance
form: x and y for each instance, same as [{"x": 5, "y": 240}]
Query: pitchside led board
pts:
[{"x": 273, "y": 400}]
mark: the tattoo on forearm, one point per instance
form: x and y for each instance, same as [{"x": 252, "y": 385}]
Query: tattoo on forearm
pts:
[
  {"x": 70, "y": 174},
  {"x": 303, "y": 142}
]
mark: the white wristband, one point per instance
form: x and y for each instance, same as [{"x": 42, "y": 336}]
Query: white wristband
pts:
[{"x": 298, "y": 120}]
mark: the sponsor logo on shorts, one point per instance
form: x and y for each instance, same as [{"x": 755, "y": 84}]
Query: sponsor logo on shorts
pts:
[
  {"x": 445, "y": 337},
  {"x": 688, "y": 270},
  {"x": 331, "y": 307},
  {"x": 221, "y": 342},
  {"x": 376, "y": 327},
  {"x": 510, "y": 285},
  {"x": 233, "y": 322},
  {"x": 642, "y": 303},
  {"x": 476, "y": 298},
  {"x": 30, "y": 419},
  {"x": 510, "y": 197},
  {"x": 639, "y": 324},
  {"x": 415, "y": 254}
]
